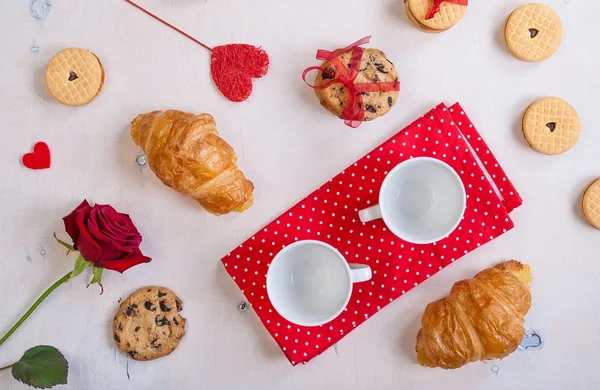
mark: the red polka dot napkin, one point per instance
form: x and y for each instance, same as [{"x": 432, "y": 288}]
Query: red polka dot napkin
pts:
[{"x": 330, "y": 214}]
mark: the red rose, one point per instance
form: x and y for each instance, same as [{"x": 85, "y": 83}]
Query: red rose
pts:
[{"x": 105, "y": 237}]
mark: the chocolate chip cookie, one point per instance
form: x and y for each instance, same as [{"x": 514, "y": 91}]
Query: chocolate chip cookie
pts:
[
  {"x": 147, "y": 325},
  {"x": 374, "y": 68}
]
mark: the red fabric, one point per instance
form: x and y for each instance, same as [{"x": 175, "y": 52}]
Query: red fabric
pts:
[
  {"x": 39, "y": 159},
  {"x": 234, "y": 66},
  {"x": 435, "y": 8},
  {"x": 354, "y": 113},
  {"x": 330, "y": 214}
]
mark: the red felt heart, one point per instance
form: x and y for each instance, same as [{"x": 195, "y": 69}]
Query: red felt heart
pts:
[
  {"x": 234, "y": 66},
  {"x": 39, "y": 159}
]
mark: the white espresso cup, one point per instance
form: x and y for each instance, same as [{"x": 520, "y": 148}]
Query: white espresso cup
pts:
[
  {"x": 309, "y": 283},
  {"x": 422, "y": 200}
]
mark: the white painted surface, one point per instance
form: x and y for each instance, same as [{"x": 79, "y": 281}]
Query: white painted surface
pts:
[{"x": 288, "y": 146}]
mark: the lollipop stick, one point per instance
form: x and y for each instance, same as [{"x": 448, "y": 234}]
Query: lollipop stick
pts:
[{"x": 170, "y": 25}]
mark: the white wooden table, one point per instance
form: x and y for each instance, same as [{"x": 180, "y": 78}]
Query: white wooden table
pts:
[{"x": 288, "y": 145}]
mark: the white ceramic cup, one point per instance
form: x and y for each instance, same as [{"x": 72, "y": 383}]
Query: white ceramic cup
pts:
[
  {"x": 309, "y": 283},
  {"x": 422, "y": 200}
]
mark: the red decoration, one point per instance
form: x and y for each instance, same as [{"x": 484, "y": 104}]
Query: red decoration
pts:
[
  {"x": 232, "y": 66},
  {"x": 330, "y": 214},
  {"x": 435, "y": 8},
  {"x": 354, "y": 113},
  {"x": 39, "y": 159}
]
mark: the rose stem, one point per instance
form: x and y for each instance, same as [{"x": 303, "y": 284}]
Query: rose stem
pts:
[
  {"x": 5, "y": 368},
  {"x": 35, "y": 305}
]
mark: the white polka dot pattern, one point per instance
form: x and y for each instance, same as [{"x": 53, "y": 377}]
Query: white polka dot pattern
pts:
[{"x": 330, "y": 214}]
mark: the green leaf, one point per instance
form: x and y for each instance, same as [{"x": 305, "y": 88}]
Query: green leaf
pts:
[
  {"x": 42, "y": 367},
  {"x": 68, "y": 246},
  {"x": 80, "y": 265},
  {"x": 97, "y": 278}
]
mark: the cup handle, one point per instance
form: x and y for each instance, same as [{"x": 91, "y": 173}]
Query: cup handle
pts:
[
  {"x": 360, "y": 273},
  {"x": 370, "y": 214}
]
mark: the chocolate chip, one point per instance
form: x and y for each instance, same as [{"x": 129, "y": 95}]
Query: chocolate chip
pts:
[
  {"x": 148, "y": 306},
  {"x": 178, "y": 305},
  {"x": 73, "y": 76},
  {"x": 132, "y": 353},
  {"x": 164, "y": 307},
  {"x": 365, "y": 93},
  {"x": 551, "y": 126},
  {"x": 328, "y": 75},
  {"x": 389, "y": 62},
  {"x": 120, "y": 327},
  {"x": 117, "y": 339},
  {"x": 390, "y": 101},
  {"x": 137, "y": 328},
  {"x": 370, "y": 108},
  {"x": 364, "y": 69},
  {"x": 162, "y": 321},
  {"x": 149, "y": 290},
  {"x": 349, "y": 65},
  {"x": 175, "y": 321},
  {"x": 129, "y": 345},
  {"x": 533, "y": 32},
  {"x": 130, "y": 309},
  {"x": 155, "y": 346},
  {"x": 380, "y": 68},
  {"x": 160, "y": 293}
]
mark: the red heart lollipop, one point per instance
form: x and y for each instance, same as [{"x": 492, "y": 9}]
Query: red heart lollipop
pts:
[
  {"x": 39, "y": 159},
  {"x": 232, "y": 66}
]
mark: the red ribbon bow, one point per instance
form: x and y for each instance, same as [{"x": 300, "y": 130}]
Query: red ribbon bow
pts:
[
  {"x": 354, "y": 113},
  {"x": 435, "y": 8}
]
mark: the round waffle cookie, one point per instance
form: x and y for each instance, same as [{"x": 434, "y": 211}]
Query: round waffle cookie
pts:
[
  {"x": 533, "y": 32},
  {"x": 75, "y": 77},
  {"x": 591, "y": 203},
  {"x": 551, "y": 125},
  {"x": 449, "y": 15},
  {"x": 374, "y": 68}
]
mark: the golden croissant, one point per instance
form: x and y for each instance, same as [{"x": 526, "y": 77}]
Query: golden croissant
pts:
[
  {"x": 186, "y": 153},
  {"x": 481, "y": 319}
]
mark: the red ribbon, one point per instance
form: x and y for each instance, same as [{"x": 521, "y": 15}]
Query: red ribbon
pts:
[
  {"x": 354, "y": 113},
  {"x": 438, "y": 3}
]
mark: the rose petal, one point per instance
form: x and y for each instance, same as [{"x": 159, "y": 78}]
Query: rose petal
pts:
[
  {"x": 110, "y": 224},
  {"x": 131, "y": 260},
  {"x": 126, "y": 237},
  {"x": 89, "y": 248},
  {"x": 70, "y": 224}
]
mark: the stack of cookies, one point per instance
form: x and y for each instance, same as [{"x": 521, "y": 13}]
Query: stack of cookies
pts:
[
  {"x": 449, "y": 14},
  {"x": 374, "y": 68}
]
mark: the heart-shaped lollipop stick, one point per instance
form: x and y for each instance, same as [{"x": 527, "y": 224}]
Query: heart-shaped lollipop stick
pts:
[{"x": 232, "y": 66}]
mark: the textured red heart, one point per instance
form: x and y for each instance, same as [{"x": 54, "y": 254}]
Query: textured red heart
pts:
[
  {"x": 234, "y": 66},
  {"x": 39, "y": 159}
]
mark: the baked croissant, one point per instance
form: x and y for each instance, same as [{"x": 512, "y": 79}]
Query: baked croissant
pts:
[
  {"x": 481, "y": 319},
  {"x": 186, "y": 153}
]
